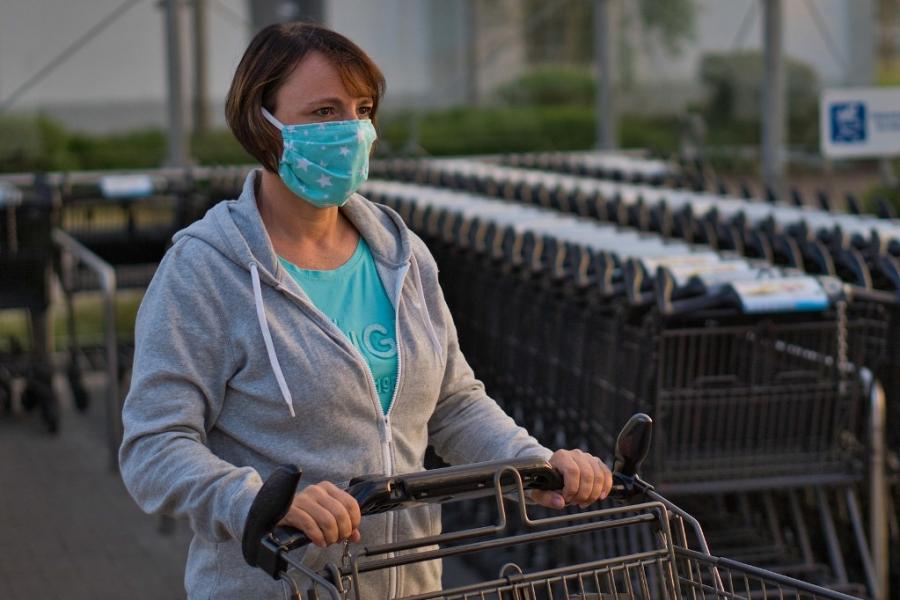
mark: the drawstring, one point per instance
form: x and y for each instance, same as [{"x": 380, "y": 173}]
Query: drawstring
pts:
[
  {"x": 267, "y": 338},
  {"x": 270, "y": 347}
]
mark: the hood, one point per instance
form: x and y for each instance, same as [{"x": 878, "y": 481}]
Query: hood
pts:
[{"x": 235, "y": 228}]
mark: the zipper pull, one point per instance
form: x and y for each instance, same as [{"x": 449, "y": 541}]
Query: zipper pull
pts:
[{"x": 388, "y": 436}]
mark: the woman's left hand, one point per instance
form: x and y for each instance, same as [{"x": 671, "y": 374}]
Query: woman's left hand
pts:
[{"x": 585, "y": 480}]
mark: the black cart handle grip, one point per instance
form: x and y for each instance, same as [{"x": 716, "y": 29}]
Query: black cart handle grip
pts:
[
  {"x": 632, "y": 447},
  {"x": 270, "y": 505}
]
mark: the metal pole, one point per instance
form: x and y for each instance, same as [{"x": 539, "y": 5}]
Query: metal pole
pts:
[
  {"x": 773, "y": 97},
  {"x": 201, "y": 106},
  {"x": 177, "y": 152},
  {"x": 471, "y": 36},
  {"x": 607, "y": 134}
]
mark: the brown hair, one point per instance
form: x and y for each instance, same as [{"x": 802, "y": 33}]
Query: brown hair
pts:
[{"x": 271, "y": 56}]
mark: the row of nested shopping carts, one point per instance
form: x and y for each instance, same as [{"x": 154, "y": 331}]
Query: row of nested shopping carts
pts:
[
  {"x": 728, "y": 339},
  {"x": 860, "y": 250},
  {"x": 692, "y": 174},
  {"x": 82, "y": 234},
  {"x": 758, "y": 375}
]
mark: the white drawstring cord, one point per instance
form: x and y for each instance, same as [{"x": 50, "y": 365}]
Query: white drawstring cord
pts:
[{"x": 267, "y": 338}]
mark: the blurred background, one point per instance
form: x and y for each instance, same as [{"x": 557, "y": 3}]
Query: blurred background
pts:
[
  {"x": 91, "y": 85},
  {"x": 729, "y": 134}
]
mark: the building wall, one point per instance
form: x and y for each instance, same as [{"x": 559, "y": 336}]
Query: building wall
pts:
[
  {"x": 433, "y": 52},
  {"x": 395, "y": 33},
  {"x": 118, "y": 79},
  {"x": 841, "y": 56}
]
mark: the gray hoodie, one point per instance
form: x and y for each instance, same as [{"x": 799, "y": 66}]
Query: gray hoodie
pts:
[{"x": 236, "y": 372}]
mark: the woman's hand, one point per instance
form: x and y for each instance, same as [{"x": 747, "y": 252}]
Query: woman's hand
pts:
[
  {"x": 326, "y": 514},
  {"x": 585, "y": 480}
]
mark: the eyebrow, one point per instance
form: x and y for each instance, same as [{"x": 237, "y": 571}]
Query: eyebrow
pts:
[{"x": 336, "y": 100}]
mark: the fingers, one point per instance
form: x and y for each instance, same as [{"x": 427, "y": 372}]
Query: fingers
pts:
[
  {"x": 596, "y": 491},
  {"x": 548, "y": 498},
  {"x": 586, "y": 463},
  {"x": 569, "y": 469},
  {"x": 607, "y": 478},
  {"x": 332, "y": 516},
  {"x": 585, "y": 478},
  {"x": 302, "y": 520},
  {"x": 602, "y": 479},
  {"x": 347, "y": 501},
  {"x": 325, "y": 514}
]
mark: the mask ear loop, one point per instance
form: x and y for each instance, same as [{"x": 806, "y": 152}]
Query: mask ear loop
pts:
[{"x": 271, "y": 119}]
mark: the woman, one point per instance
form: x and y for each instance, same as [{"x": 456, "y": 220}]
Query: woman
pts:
[{"x": 303, "y": 324}]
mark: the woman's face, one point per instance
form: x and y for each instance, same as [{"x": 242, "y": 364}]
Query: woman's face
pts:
[{"x": 314, "y": 93}]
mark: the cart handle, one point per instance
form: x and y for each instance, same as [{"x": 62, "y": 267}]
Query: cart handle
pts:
[{"x": 263, "y": 542}]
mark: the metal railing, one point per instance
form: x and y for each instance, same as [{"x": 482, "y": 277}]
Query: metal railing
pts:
[{"x": 71, "y": 253}]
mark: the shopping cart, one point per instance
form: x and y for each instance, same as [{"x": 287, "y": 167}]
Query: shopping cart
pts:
[
  {"x": 753, "y": 398},
  {"x": 26, "y": 258},
  {"x": 725, "y": 371},
  {"x": 677, "y": 562}
]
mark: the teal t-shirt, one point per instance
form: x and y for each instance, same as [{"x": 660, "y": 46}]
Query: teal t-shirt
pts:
[{"x": 355, "y": 300}]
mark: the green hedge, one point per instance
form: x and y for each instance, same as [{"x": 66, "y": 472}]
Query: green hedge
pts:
[
  {"x": 733, "y": 82},
  {"x": 890, "y": 195},
  {"x": 462, "y": 131},
  {"x": 42, "y": 144},
  {"x": 551, "y": 86}
]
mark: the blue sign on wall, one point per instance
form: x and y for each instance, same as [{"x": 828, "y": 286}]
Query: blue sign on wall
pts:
[{"x": 848, "y": 122}]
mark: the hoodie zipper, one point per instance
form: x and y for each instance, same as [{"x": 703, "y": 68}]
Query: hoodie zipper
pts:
[
  {"x": 387, "y": 436},
  {"x": 384, "y": 421}
]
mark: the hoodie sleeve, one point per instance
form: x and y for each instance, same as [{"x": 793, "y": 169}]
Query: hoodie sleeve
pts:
[
  {"x": 467, "y": 425},
  {"x": 182, "y": 364}
]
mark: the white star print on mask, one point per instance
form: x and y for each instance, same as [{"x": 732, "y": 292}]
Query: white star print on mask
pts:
[{"x": 324, "y": 163}]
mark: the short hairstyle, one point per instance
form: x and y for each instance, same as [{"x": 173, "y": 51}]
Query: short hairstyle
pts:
[{"x": 271, "y": 56}]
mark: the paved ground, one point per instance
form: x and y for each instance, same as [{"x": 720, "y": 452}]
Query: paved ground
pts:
[{"x": 69, "y": 530}]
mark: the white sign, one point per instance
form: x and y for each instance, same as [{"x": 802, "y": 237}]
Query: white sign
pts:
[
  {"x": 126, "y": 186},
  {"x": 860, "y": 122},
  {"x": 10, "y": 195},
  {"x": 790, "y": 294}
]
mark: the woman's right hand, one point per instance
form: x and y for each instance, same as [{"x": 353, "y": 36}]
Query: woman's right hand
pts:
[{"x": 325, "y": 513}]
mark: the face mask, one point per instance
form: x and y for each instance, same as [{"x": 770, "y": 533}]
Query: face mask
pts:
[{"x": 325, "y": 163}]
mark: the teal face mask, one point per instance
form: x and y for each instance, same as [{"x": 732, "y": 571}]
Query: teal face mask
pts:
[{"x": 325, "y": 163}]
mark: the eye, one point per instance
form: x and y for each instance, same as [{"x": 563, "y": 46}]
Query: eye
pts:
[
  {"x": 365, "y": 110},
  {"x": 325, "y": 111}
]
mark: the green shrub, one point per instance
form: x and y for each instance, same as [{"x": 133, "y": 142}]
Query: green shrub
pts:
[
  {"x": 33, "y": 144},
  {"x": 550, "y": 86},
  {"x": 733, "y": 82},
  {"x": 218, "y": 147},
  {"x": 657, "y": 133},
  {"x": 514, "y": 129},
  {"x": 462, "y": 131},
  {"x": 142, "y": 149},
  {"x": 30, "y": 145},
  {"x": 890, "y": 194}
]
